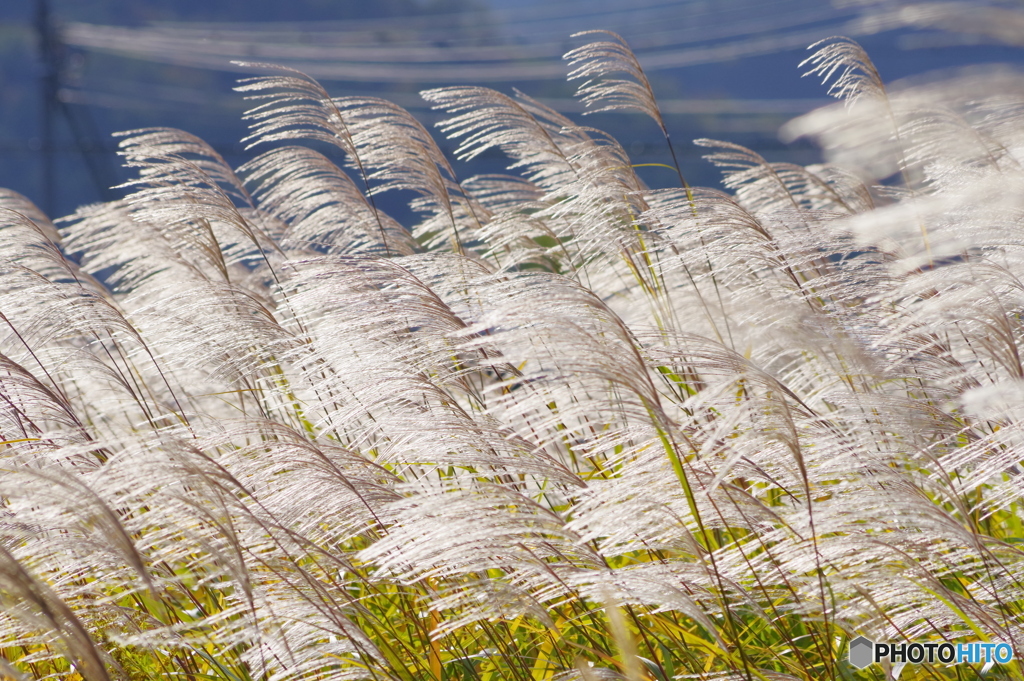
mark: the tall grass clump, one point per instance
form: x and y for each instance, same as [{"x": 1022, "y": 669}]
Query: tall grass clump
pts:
[{"x": 566, "y": 427}]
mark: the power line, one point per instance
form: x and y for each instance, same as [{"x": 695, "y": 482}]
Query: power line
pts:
[
  {"x": 439, "y": 65},
  {"x": 185, "y": 97}
]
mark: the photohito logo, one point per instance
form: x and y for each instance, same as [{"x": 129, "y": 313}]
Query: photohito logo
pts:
[{"x": 864, "y": 651}]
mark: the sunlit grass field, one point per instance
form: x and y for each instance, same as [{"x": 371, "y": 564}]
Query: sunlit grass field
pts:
[{"x": 566, "y": 427}]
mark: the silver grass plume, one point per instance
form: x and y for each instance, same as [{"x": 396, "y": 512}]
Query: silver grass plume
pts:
[{"x": 570, "y": 427}]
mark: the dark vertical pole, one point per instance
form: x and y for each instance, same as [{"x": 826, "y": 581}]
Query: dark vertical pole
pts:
[
  {"x": 48, "y": 83},
  {"x": 83, "y": 129}
]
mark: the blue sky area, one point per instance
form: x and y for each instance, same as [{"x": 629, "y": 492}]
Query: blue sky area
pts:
[{"x": 726, "y": 69}]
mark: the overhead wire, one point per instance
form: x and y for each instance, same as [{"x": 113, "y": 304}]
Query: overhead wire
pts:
[
  {"x": 400, "y": 52},
  {"x": 344, "y": 55},
  {"x": 332, "y": 45}
]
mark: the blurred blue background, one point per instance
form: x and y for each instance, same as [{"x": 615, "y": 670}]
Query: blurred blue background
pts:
[{"x": 726, "y": 69}]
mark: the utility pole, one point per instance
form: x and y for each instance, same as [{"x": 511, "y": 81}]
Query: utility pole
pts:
[
  {"x": 49, "y": 84},
  {"x": 83, "y": 128}
]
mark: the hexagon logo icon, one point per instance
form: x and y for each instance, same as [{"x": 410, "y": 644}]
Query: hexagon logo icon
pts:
[{"x": 861, "y": 652}]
